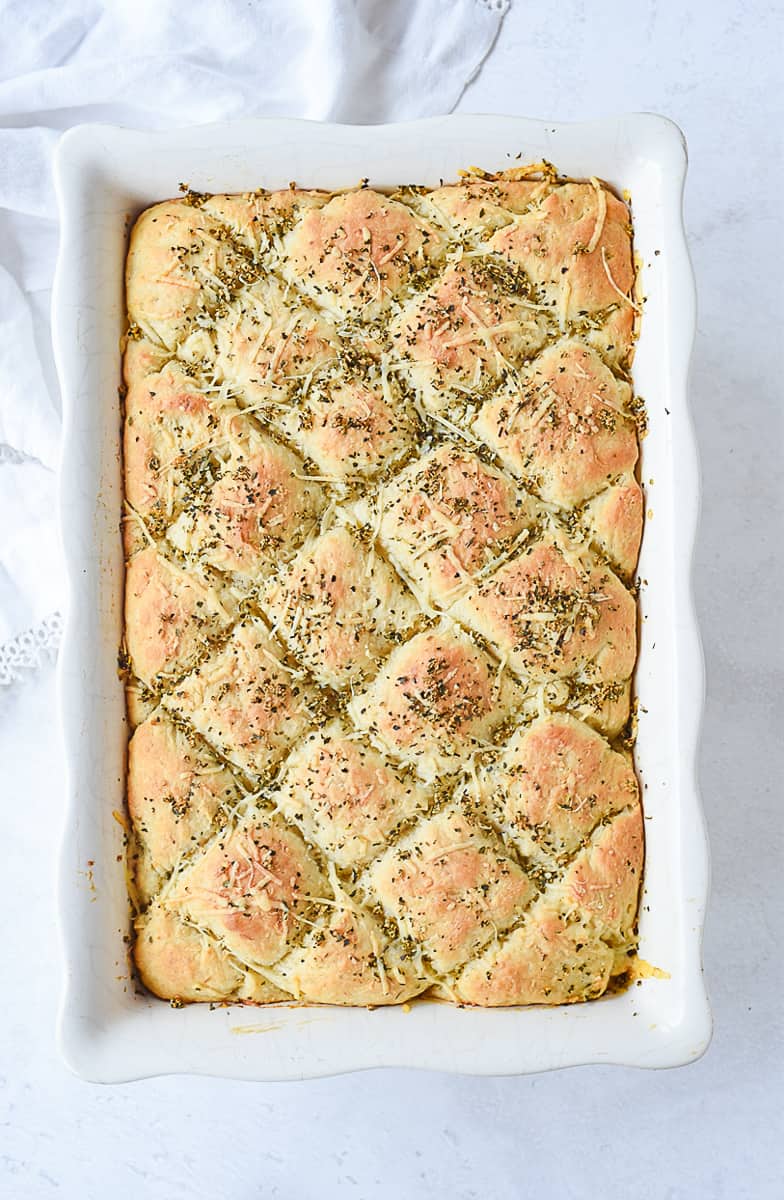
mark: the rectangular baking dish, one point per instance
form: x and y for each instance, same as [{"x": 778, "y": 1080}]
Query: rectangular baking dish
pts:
[{"x": 108, "y": 1030}]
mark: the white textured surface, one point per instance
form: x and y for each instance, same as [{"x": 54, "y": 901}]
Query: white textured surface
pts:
[{"x": 710, "y": 1130}]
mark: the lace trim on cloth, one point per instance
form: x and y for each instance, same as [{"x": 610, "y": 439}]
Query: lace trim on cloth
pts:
[{"x": 30, "y": 649}]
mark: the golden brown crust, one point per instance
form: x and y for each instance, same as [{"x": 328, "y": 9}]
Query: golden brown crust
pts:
[
  {"x": 381, "y": 522},
  {"x": 449, "y": 888},
  {"x": 575, "y": 245},
  {"x": 355, "y": 254},
  {"x": 178, "y": 794},
  {"x": 245, "y": 700},
  {"x": 171, "y": 616},
  {"x": 603, "y": 880},
  {"x": 548, "y": 959},
  {"x": 476, "y": 206},
  {"x": 350, "y": 429},
  {"x": 554, "y": 783},
  {"x": 261, "y": 353},
  {"x": 175, "y": 263},
  {"x": 168, "y": 429},
  {"x": 613, "y": 520},
  {"x": 435, "y": 701},
  {"x": 258, "y": 508},
  {"x": 448, "y": 517},
  {"x": 551, "y": 614},
  {"x": 339, "y": 607},
  {"x": 562, "y": 427},
  {"x": 178, "y": 961},
  {"x": 348, "y": 961},
  {"x": 249, "y": 887},
  {"x": 464, "y": 333},
  {"x": 345, "y": 797}
]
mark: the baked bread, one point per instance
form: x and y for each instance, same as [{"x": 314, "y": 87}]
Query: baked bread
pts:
[{"x": 382, "y": 518}]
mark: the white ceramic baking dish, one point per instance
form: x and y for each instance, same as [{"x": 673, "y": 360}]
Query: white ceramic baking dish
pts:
[{"x": 108, "y": 1030}]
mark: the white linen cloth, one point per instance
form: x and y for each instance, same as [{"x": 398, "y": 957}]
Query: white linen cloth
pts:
[{"x": 154, "y": 64}]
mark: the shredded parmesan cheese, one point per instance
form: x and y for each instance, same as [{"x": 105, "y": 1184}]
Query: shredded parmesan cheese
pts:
[
  {"x": 601, "y": 215},
  {"x": 614, "y": 285}
]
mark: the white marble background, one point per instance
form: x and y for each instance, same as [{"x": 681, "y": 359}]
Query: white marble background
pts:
[{"x": 711, "y": 1130}]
